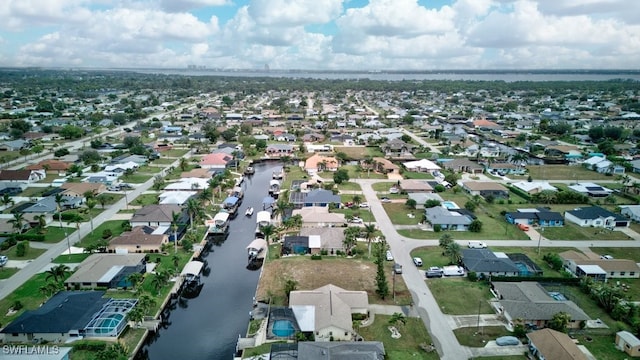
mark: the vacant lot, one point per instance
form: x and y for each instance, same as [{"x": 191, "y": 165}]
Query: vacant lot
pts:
[
  {"x": 350, "y": 274},
  {"x": 407, "y": 346},
  {"x": 459, "y": 296}
]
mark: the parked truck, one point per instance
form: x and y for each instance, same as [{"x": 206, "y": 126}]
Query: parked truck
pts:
[{"x": 453, "y": 270}]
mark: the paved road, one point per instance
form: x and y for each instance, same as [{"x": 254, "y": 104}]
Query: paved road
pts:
[
  {"x": 35, "y": 266},
  {"x": 420, "y": 141},
  {"x": 424, "y": 302}
]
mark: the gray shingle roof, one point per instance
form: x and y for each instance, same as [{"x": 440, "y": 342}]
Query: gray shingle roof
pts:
[{"x": 483, "y": 260}]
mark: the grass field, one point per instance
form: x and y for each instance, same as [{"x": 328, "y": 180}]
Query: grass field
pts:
[
  {"x": 399, "y": 214},
  {"x": 30, "y": 254},
  {"x": 29, "y": 296},
  {"x": 572, "y": 231},
  {"x": 92, "y": 238},
  {"x": 349, "y": 186},
  {"x": 407, "y": 346},
  {"x": 34, "y": 192},
  {"x": 137, "y": 178},
  {"x": 163, "y": 161},
  {"x": 383, "y": 186},
  {"x": 459, "y": 296},
  {"x": 70, "y": 259},
  {"x": 145, "y": 199},
  {"x": 562, "y": 172},
  {"x": 6, "y": 272},
  {"x": 416, "y": 175},
  {"x": 359, "y": 152},
  {"x": 478, "y": 337}
]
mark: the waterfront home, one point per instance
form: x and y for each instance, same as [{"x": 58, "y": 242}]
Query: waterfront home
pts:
[
  {"x": 217, "y": 161},
  {"x": 70, "y": 315},
  {"x": 317, "y": 163},
  {"x": 552, "y": 344},
  {"x": 175, "y": 197},
  {"x": 158, "y": 215},
  {"x": 188, "y": 184},
  {"x": 595, "y": 216},
  {"x": 529, "y": 303},
  {"x": 319, "y": 216},
  {"x": 279, "y": 150},
  {"x": 332, "y": 308},
  {"x": 331, "y": 239},
  {"x": 106, "y": 271},
  {"x": 316, "y": 197},
  {"x": 141, "y": 239}
]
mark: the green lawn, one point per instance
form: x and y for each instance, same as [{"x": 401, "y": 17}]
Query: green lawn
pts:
[
  {"x": 602, "y": 346},
  {"x": 572, "y": 231},
  {"x": 6, "y": 272},
  {"x": 383, "y": 186},
  {"x": 364, "y": 214},
  {"x": 137, "y": 178},
  {"x": 28, "y": 294},
  {"x": 459, "y": 296},
  {"x": 174, "y": 153},
  {"x": 145, "y": 199},
  {"x": 34, "y": 191},
  {"x": 92, "y": 238},
  {"x": 407, "y": 346},
  {"x": 562, "y": 172},
  {"x": 147, "y": 169},
  {"x": 163, "y": 161},
  {"x": 70, "y": 259},
  {"x": 478, "y": 337},
  {"x": 349, "y": 186},
  {"x": 399, "y": 214},
  {"x": 416, "y": 175},
  {"x": 31, "y": 253},
  {"x": 54, "y": 233}
]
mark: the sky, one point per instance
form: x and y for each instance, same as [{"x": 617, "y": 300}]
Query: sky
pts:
[{"x": 322, "y": 34}]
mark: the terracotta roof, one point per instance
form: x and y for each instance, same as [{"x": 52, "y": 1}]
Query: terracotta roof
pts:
[
  {"x": 15, "y": 174},
  {"x": 138, "y": 237},
  {"x": 484, "y": 185},
  {"x": 52, "y": 164},
  {"x": 81, "y": 188}
]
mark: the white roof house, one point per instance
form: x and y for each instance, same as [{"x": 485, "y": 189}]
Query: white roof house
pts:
[
  {"x": 421, "y": 165},
  {"x": 188, "y": 184},
  {"x": 175, "y": 197},
  {"x": 534, "y": 187}
]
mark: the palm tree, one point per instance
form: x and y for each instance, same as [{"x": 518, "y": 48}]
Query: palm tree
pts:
[
  {"x": 42, "y": 223},
  {"x": 175, "y": 220},
  {"x": 7, "y": 200},
  {"x": 350, "y": 238},
  {"x": 193, "y": 209},
  {"x": 397, "y": 318},
  {"x": 184, "y": 164},
  {"x": 17, "y": 222},
  {"x": 453, "y": 252},
  {"x": 205, "y": 195},
  {"x": 59, "y": 199},
  {"x": 268, "y": 231},
  {"x": 213, "y": 183},
  {"x": 160, "y": 279},
  {"x": 51, "y": 288},
  {"x": 135, "y": 278},
  {"x": 369, "y": 231},
  {"x": 146, "y": 302},
  {"x": 90, "y": 205},
  {"x": 57, "y": 273},
  {"x": 357, "y": 199},
  {"x": 136, "y": 315},
  {"x": 445, "y": 240}
]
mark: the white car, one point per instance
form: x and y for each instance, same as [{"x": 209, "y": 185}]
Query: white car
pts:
[
  {"x": 3, "y": 260},
  {"x": 364, "y": 205},
  {"x": 417, "y": 261},
  {"x": 385, "y": 200},
  {"x": 389, "y": 255},
  {"x": 357, "y": 220},
  {"x": 394, "y": 190}
]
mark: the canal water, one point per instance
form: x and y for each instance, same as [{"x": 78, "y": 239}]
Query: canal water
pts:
[{"x": 207, "y": 326}]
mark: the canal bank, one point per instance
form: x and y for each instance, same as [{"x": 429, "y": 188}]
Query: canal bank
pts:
[{"x": 208, "y": 326}]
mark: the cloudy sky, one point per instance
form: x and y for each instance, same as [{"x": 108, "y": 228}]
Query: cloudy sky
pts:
[{"x": 322, "y": 34}]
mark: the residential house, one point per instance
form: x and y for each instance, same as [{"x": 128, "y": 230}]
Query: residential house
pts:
[
  {"x": 534, "y": 187},
  {"x": 48, "y": 205},
  {"x": 415, "y": 186},
  {"x": 635, "y": 165},
  {"x": 285, "y": 137},
  {"x": 448, "y": 219},
  {"x": 317, "y": 163},
  {"x": 486, "y": 263},
  {"x": 22, "y": 176},
  {"x": 505, "y": 168},
  {"x": 197, "y": 173},
  {"x": 215, "y": 161},
  {"x": 177, "y": 197},
  {"x": 11, "y": 188},
  {"x": 562, "y": 153},
  {"x": 591, "y": 189},
  {"x": 528, "y": 303},
  {"x": 463, "y": 165},
  {"x": 141, "y": 239},
  {"x": 138, "y": 159},
  {"x": 385, "y": 166},
  {"x": 548, "y": 344},
  {"x": 79, "y": 189},
  {"x": 484, "y": 124},
  {"x": 486, "y": 188},
  {"x": 595, "y": 216},
  {"x": 14, "y": 145},
  {"x": 70, "y": 315},
  {"x": 422, "y": 165},
  {"x": 580, "y": 264},
  {"x": 319, "y": 216},
  {"x": 298, "y": 245},
  {"x": 106, "y": 271},
  {"x": 51, "y": 166},
  {"x": 158, "y": 215},
  {"x": 541, "y": 216},
  {"x": 628, "y": 343},
  {"x": 421, "y": 198},
  {"x": 316, "y": 197},
  {"x": 332, "y": 308},
  {"x": 331, "y": 239},
  {"x": 397, "y": 148},
  {"x": 188, "y": 184},
  {"x": 279, "y": 150},
  {"x": 631, "y": 211}
]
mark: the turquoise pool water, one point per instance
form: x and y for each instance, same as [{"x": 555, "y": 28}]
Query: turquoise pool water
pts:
[
  {"x": 450, "y": 205},
  {"x": 109, "y": 324},
  {"x": 283, "y": 328}
]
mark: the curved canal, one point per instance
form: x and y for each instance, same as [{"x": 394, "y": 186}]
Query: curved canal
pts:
[{"x": 207, "y": 326}]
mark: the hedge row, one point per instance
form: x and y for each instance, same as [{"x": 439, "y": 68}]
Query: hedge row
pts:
[{"x": 540, "y": 279}]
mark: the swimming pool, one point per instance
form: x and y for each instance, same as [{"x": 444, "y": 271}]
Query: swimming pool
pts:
[
  {"x": 557, "y": 296},
  {"x": 283, "y": 328},
  {"x": 524, "y": 269},
  {"x": 450, "y": 205},
  {"x": 109, "y": 324}
]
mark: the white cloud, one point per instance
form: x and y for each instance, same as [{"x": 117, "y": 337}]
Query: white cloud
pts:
[
  {"x": 284, "y": 13},
  {"x": 21, "y": 14},
  {"x": 183, "y": 5}
]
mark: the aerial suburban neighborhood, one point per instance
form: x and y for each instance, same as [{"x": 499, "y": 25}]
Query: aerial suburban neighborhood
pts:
[{"x": 395, "y": 220}]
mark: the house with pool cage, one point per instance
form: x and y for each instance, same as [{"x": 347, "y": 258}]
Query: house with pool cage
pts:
[{"x": 71, "y": 315}]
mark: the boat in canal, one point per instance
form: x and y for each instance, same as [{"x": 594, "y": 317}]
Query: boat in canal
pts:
[
  {"x": 219, "y": 225},
  {"x": 256, "y": 252},
  {"x": 274, "y": 188},
  {"x": 230, "y": 205},
  {"x": 249, "y": 170},
  {"x": 239, "y": 193},
  {"x": 249, "y": 212},
  {"x": 278, "y": 174}
]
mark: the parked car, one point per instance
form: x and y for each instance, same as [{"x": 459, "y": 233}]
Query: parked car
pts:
[
  {"x": 348, "y": 204},
  {"x": 606, "y": 257},
  {"x": 364, "y": 205},
  {"x": 433, "y": 274},
  {"x": 114, "y": 188},
  {"x": 389, "y": 255},
  {"x": 357, "y": 220},
  {"x": 385, "y": 200},
  {"x": 3, "y": 260},
  {"x": 417, "y": 261},
  {"x": 523, "y": 227},
  {"x": 435, "y": 268},
  {"x": 477, "y": 245},
  {"x": 394, "y": 190},
  {"x": 126, "y": 186},
  {"x": 507, "y": 341},
  {"x": 397, "y": 268}
]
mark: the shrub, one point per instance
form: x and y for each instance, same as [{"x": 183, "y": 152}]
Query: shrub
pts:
[
  {"x": 316, "y": 257},
  {"x": 437, "y": 228},
  {"x": 107, "y": 233},
  {"x": 324, "y": 252},
  {"x": 22, "y": 248},
  {"x": 17, "y": 305},
  {"x": 472, "y": 276}
]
